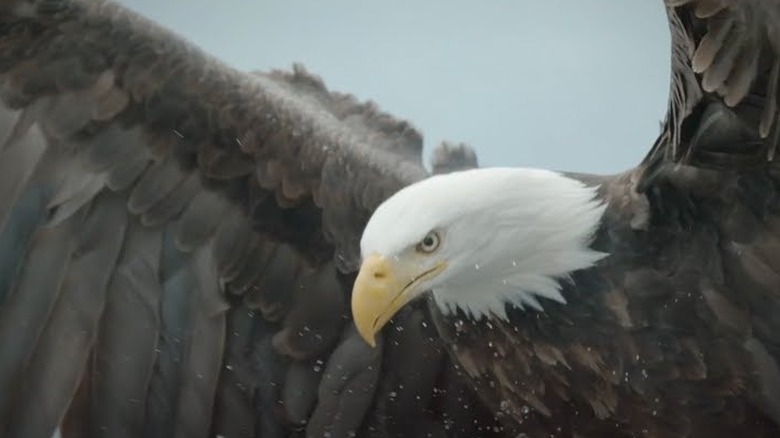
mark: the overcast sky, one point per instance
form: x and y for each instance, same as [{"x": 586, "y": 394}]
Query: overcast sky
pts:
[{"x": 576, "y": 85}]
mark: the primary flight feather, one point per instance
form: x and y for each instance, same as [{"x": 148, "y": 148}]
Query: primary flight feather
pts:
[{"x": 181, "y": 244}]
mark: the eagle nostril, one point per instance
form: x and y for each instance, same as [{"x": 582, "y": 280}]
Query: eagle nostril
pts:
[{"x": 379, "y": 275}]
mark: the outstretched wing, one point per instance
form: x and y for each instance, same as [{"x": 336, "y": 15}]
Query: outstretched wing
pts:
[
  {"x": 675, "y": 332},
  {"x": 725, "y": 69},
  {"x": 177, "y": 240}
]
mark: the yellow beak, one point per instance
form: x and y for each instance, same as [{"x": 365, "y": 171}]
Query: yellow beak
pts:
[{"x": 381, "y": 289}]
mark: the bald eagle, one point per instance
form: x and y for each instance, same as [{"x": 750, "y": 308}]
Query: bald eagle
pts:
[{"x": 181, "y": 243}]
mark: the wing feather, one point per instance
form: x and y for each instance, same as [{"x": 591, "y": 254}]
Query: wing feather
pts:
[
  {"x": 235, "y": 405},
  {"x": 28, "y": 304},
  {"x": 308, "y": 330},
  {"x": 347, "y": 388},
  {"x": 54, "y": 372},
  {"x": 202, "y": 359},
  {"x": 124, "y": 363}
]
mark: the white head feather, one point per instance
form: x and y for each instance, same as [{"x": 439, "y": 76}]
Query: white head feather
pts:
[{"x": 508, "y": 235}]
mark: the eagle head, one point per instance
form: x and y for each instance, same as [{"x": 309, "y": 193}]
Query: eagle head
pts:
[{"x": 478, "y": 240}]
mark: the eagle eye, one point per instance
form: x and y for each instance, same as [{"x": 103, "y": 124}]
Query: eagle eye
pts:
[{"x": 429, "y": 243}]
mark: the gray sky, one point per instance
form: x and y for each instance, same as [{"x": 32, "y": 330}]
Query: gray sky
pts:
[{"x": 564, "y": 84}]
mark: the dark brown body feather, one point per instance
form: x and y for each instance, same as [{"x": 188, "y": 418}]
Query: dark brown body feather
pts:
[{"x": 674, "y": 334}]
